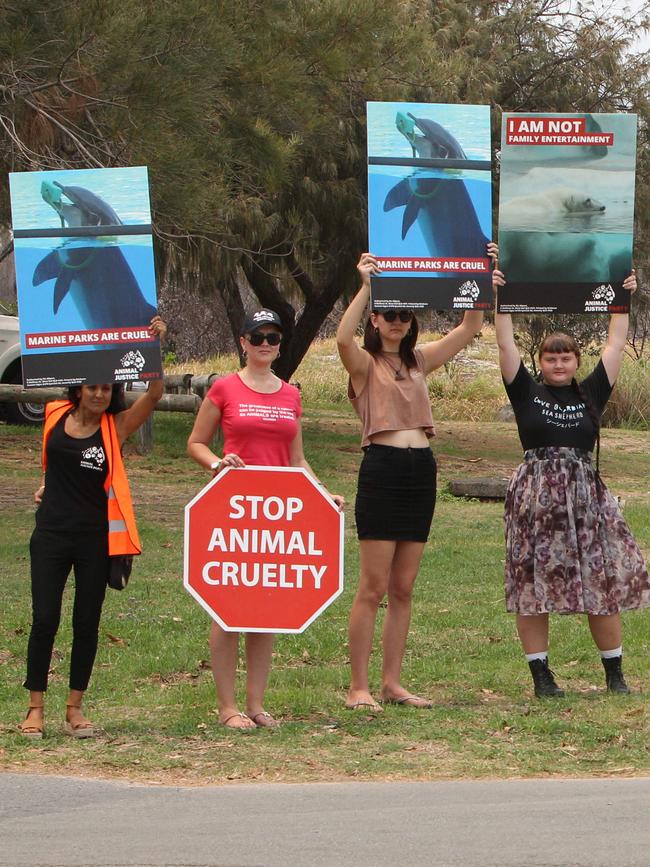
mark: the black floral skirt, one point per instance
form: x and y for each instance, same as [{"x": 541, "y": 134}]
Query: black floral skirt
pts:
[{"x": 568, "y": 546}]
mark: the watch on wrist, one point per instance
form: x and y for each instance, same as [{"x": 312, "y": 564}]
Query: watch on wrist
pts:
[{"x": 214, "y": 466}]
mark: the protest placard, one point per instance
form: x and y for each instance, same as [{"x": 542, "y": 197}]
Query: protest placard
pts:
[
  {"x": 85, "y": 276},
  {"x": 566, "y": 212},
  {"x": 429, "y": 205},
  {"x": 263, "y": 549}
]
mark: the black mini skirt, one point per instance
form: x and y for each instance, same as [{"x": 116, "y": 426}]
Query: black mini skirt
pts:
[{"x": 396, "y": 495}]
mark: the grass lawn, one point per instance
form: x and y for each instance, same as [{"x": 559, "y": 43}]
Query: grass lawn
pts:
[{"x": 152, "y": 692}]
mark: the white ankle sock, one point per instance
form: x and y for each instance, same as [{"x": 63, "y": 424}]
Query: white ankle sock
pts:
[
  {"x": 543, "y": 655},
  {"x": 611, "y": 654}
]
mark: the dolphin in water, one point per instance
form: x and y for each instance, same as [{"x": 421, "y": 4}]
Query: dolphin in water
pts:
[
  {"x": 84, "y": 207},
  {"x": 445, "y": 214},
  {"x": 98, "y": 278},
  {"x": 442, "y": 206},
  {"x": 435, "y": 142}
]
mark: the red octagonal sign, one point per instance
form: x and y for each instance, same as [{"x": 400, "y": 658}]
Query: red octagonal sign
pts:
[{"x": 263, "y": 549}]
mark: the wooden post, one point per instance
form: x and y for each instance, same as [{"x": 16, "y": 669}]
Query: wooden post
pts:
[{"x": 145, "y": 437}]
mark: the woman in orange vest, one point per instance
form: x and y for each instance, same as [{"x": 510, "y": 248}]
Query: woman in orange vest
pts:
[{"x": 84, "y": 516}]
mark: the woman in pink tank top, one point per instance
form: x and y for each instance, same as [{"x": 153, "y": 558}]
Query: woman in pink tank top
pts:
[{"x": 397, "y": 478}]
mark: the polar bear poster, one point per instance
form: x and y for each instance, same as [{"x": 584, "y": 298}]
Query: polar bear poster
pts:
[
  {"x": 566, "y": 210},
  {"x": 555, "y": 206}
]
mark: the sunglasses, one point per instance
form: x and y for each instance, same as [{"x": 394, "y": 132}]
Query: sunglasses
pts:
[
  {"x": 392, "y": 315},
  {"x": 272, "y": 338}
]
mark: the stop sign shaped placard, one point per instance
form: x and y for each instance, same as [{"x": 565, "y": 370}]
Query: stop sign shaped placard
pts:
[{"x": 263, "y": 549}]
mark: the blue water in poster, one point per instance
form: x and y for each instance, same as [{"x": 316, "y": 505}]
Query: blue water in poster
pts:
[
  {"x": 85, "y": 275},
  {"x": 111, "y": 284},
  {"x": 441, "y": 228},
  {"x": 429, "y": 200},
  {"x": 125, "y": 190},
  {"x": 469, "y": 125}
]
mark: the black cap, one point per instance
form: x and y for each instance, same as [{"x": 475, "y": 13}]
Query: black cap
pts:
[{"x": 259, "y": 318}]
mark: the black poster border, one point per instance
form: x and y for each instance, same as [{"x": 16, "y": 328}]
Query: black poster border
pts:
[
  {"x": 558, "y": 298},
  {"x": 432, "y": 293}
]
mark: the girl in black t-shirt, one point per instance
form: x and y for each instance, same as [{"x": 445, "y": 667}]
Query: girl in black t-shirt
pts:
[{"x": 568, "y": 547}]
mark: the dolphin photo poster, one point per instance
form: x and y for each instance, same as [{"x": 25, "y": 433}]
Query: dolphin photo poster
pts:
[
  {"x": 85, "y": 276},
  {"x": 566, "y": 212},
  {"x": 430, "y": 205}
]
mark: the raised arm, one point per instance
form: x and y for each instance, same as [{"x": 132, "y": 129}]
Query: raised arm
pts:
[
  {"x": 612, "y": 356},
  {"x": 355, "y": 360},
  {"x": 509, "y": 358},
  {"x": 438, "y": 352},
  {"x": 129, "y": 420}
]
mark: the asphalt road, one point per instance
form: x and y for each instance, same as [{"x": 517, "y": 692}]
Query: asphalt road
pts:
[{"x": 64, "y": 821}]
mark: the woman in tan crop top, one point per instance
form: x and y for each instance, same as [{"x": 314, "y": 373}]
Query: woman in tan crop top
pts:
[{"x": 397, "y": 478}]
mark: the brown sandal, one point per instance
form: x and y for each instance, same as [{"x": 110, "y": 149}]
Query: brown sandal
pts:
[
  {"x": 31, "y": 730},
  {"x": 239, "y": 728},
  {"x": 82, "y": 729},
  {"x": 264, "y": 720}
]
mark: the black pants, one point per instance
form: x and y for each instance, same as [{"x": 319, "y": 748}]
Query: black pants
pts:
[{"x": 52, "y": 557}]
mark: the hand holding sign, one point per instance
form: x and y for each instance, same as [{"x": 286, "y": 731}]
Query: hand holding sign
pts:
[{"x": 264, "y": 549}]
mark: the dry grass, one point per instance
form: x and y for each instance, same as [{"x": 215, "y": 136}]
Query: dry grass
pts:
[{"x": 468, "y": 388}]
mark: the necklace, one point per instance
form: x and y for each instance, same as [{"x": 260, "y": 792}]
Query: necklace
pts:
[{"x": 396, "y": 370}]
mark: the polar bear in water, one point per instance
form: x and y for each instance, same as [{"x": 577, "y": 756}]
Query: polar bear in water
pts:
[
  {"x": 556, "y": 202},
  {"x": 559, "y": 257}
]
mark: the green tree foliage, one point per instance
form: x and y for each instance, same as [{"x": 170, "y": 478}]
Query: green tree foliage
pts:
[{"x": 251, "y": 117}]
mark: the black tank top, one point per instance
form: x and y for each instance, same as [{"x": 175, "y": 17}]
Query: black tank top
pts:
[{"x": 74, "y": 498}]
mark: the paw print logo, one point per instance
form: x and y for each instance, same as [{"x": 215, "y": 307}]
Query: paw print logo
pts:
[
  {"x": 604, "y": 292},
  {"x": 95, "y": 454},
  {"x": 470, "y": 288},
  {"x": 133, "y": 359}
]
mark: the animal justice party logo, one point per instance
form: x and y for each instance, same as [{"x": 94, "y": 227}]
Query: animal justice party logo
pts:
[
  {"x": 601, "y": 297},
  {"x": 132, "y": 363}
]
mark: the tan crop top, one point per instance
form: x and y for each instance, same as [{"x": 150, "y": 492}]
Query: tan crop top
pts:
[{"x": 386, "y": 403}]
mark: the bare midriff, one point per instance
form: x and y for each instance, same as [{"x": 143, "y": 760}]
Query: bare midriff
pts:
[{"x": 415, "y": 438}]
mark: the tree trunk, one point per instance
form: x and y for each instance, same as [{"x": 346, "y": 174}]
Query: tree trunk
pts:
[{"x": 314, "y": 314}]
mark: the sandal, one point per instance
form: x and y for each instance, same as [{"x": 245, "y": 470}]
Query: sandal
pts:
[
  {"x": 31, "y": 729},
  {"x": 264, "y": 720},
  {"x": 372, "y": 706},
  {"x": 415, "y": 701},
  {"x": 82, "y": 729},
  {"x": 237, "y": 728}
]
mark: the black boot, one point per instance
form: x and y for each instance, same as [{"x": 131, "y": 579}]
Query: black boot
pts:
[
  {"x": 544, "y": 680},
  {"x": 614, "y": 675}
]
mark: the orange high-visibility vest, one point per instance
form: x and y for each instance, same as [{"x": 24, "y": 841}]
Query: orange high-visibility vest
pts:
[{"x": 122, "y": 530}]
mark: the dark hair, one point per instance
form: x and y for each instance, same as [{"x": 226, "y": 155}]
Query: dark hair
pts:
[
  {"x": 117, "y": 404},
  {"x": 560, "y": 343},
  {"x": 372, "y": 341}
]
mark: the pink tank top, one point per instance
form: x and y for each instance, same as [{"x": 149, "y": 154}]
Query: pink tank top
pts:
[{"x": 390, "y": 403}]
